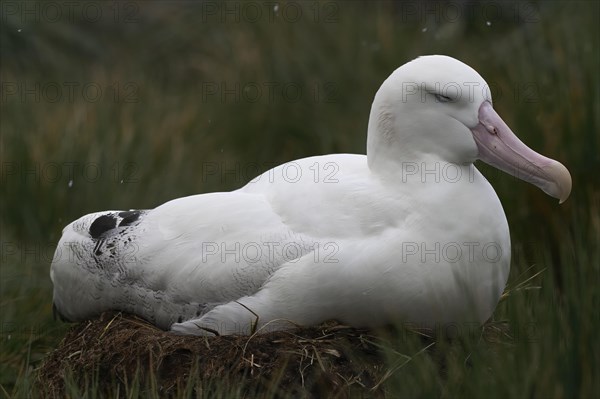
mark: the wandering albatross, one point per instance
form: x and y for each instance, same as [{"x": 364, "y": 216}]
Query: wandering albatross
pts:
[{"x": 411, "y": 232}]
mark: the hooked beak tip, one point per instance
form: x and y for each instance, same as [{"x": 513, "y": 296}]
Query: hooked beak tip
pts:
[{"x": 563, "y": 181}]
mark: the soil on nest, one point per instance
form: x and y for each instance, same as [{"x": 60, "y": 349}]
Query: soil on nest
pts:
[{"x": 329, "y": 360}]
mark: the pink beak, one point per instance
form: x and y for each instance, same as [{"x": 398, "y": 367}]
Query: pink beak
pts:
[{"x": 500, "y": 147}]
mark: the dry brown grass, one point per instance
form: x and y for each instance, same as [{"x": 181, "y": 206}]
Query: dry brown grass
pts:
[{"x": 331, "y": 359}]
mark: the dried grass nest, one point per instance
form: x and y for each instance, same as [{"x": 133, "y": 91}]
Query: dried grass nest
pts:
[
  {"x": 323, "y": 360},
  {"x": 330, "y": 360}
]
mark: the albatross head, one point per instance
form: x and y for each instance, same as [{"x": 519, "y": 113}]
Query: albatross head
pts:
[{"x": 438, "y": 109}]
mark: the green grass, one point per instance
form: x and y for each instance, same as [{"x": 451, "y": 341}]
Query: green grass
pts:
[{"x": 156, "y": 130}]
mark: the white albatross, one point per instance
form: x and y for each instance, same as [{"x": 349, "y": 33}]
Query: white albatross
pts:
[{"x": 410, "y": 233}]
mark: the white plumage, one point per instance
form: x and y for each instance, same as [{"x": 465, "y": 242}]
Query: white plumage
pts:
[{"x": 409, "y": 233}]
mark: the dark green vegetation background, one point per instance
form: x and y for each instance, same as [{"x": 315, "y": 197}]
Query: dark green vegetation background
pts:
[{"x": 110, "y": 105}]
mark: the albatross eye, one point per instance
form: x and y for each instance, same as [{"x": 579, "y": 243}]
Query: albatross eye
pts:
[{"x": 441, "y": 98}]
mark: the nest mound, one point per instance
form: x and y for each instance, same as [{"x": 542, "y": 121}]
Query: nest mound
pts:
[{"x": 116, "y": 348}]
